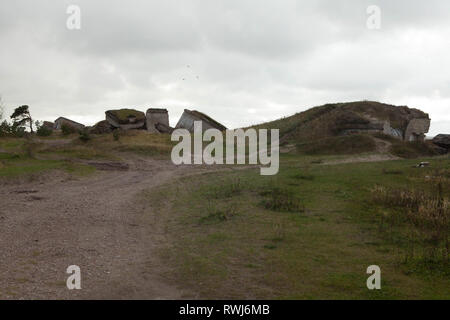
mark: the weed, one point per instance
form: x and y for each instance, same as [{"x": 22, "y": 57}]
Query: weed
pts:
[
  {"x": 225, "y": 190},
  {"x": 425, "y": 216},
  {"x": 216, "y": 214},
  {"x": 84, "y": 136},
  {"x": 116, "y": 135},
  {"x": 281, "y": 199}
]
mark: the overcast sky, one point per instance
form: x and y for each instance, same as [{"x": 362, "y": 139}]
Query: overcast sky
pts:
[{"x": 241, "y": 62}]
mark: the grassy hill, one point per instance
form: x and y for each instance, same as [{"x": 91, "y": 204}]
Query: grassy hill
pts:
[{"x": 319, "y": 130}]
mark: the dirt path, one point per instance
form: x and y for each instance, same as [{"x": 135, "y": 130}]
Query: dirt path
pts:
[
  {"x": 95, "y": 223},
  {"x": 362, "y": 158}
]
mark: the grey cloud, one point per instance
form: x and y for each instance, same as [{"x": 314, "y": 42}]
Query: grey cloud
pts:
[{"x": 242, "y": 61}]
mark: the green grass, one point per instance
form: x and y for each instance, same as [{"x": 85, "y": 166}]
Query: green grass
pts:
[
  {"x": 21, "y": 166},
  {"x": 16, "y": 160},
  {"x": 411, "y": 149},
  {"x": 321, "y": 252},
  {"x": 351, "y": 144}
]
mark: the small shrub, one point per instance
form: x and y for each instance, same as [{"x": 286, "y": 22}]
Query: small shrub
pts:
[
  {"x": 68, "y": 129},
  {"x": 225, "y": 190},
  {"x": 84, "y": 136},
  {"x": 44, "y": 131},
  {"x": 216, "y": 214},
  {"x": 116, "y": 135},
  {"x": 5, "y": 129}
]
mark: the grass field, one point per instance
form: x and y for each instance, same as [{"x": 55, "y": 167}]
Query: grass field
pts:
[
  {"x": 308, "y": 233},
  {"x": 21, "y": 157}
]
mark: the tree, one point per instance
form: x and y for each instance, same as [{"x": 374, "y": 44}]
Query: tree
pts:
[
  {"x": 1, "y": 108},
  {"x": 22, "y": 116}
]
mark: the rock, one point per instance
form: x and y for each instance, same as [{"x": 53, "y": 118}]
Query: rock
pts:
[
  {"x": 126, "y": 119},
  {"x": 155, "y": 117},
  {"x": 101, "y": 127},
  {"x": 442, "y": 140}
]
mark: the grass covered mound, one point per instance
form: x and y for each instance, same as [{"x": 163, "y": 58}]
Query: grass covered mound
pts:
[
  {"x": 334, "y": 119},
  {"x": 122, "y": 116},
  {"x": 352, "y": 144}
]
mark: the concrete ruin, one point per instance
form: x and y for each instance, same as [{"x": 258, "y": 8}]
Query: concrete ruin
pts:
[
  {"x": 101, "y": 127},
  {"x": 416, "y": 129},
  {"x": 189, "y": 116},
  {"x": 442, "y": 141},
  {"x": 64, "y": 121},
  {"x": 403, "y": 123},
  {"x": 157, "y": 120},
  {"x": 48, "y": 125},
  {"x": 126, "y": 119}
]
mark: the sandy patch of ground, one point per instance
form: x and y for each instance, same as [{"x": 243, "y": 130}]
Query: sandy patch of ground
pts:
[{"x": 96, "y": 223}]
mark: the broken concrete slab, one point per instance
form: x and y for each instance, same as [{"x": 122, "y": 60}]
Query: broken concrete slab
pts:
[
  {"x": 442, "y": 140},
  {"x": 189, "y": 116},
  {"x": 64, "y": 121},
  {"x": 126, "y": 119},
  {"x": 157, "y": 116}
]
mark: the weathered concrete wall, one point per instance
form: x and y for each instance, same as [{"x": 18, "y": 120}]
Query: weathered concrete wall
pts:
[
  {"x": 60, "y": 121},
  {"x": 388, "y": 130},
  {"x": 187, "y": 121},
  {"x": 416, "y": 129},
  {"x": 156, "y": 116}
]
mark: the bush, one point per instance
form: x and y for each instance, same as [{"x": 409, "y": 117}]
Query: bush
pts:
[
  {"x": 44, "y": 131},
  {"x": 85, "y": 136},
  {"x": 5, "y": 129},
  {"x": 17, "y": 131},
  {"x": 216, "y": 214},
  {"x": 68, "y": 129},
  {"x": 116, "y": 135}
]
